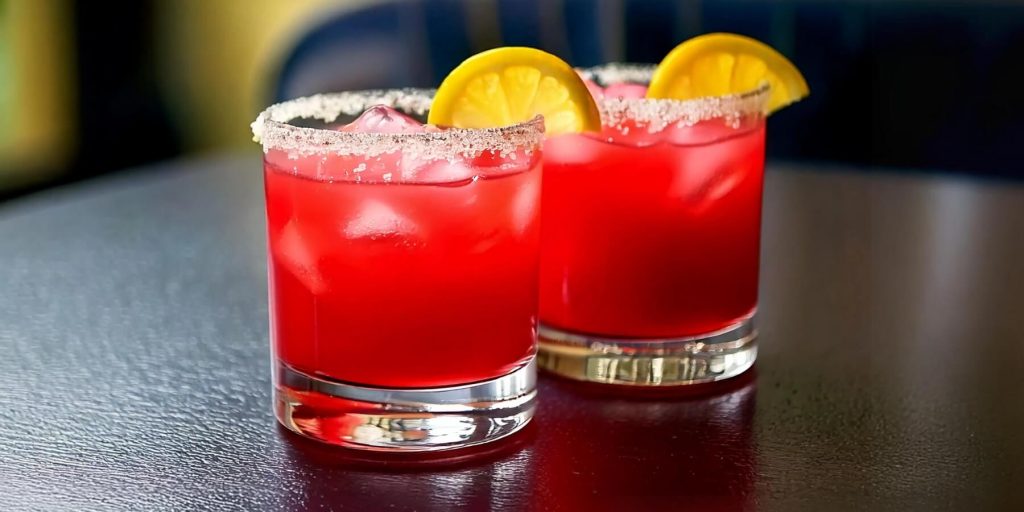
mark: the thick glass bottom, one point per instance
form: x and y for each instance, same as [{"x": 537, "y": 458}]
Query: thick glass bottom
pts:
[
  {"x": 385, "y": 419},
  {"x": 650, "y": 362}
]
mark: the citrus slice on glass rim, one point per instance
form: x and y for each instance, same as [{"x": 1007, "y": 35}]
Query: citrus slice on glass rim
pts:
[
  {"x": 510, "y": 85},
  {"x": 721, "y": 64}
]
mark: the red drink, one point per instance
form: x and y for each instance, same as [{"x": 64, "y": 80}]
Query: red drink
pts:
[
  {"x": 650, "y": 243},
  {"x": 403, "y": 267},
  {"x": 654, "y": 241},
  {"x": 402, "y": 284}
]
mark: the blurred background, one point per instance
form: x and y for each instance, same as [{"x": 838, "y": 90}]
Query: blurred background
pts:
[{"x": 89, "y": 88}]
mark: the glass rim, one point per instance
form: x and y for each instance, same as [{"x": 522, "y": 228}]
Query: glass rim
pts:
[
  {"x": 274, "y": 130},
  {"x": 659, "y": 113}
]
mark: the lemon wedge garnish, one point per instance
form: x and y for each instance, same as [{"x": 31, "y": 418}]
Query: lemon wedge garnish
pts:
[
  {"x": 721, "y": 64},
  {"x": 510, "y": 85}
]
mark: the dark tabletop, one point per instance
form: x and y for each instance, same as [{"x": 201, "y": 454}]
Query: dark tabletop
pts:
[{"x": 133, "y": 346}]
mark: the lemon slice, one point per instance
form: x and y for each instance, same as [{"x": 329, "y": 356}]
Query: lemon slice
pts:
[
  {"x": 510, "y": 85},
  {"x": 720, "y": 64}
]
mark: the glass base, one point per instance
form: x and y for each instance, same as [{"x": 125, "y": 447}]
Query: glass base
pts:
[
  {"x": 404, "y": 420},
  {"x": 650, "y": 362}
]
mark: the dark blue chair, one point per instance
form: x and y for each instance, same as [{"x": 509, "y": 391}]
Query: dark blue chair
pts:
[{"x": 417, "y": 42}]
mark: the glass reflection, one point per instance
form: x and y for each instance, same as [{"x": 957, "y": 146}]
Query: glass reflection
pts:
[
  {"x": 642, "y": 453},
  {"x": 486, "y": 477}
]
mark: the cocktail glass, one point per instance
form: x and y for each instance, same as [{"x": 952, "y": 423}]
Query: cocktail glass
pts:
[
  {"x": 403, "y": 265},
  {"x": 650, "y": 238}
]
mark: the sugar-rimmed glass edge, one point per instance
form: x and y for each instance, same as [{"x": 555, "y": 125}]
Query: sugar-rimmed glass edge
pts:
[
  {"x": 273, "y": 130},
  {"x": 657, "y": 114}
]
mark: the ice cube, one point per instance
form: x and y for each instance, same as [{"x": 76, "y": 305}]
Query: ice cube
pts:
[
  {"x": 383, "y": 119},
  {"x": 625, "y": 91},
  {"x": 704, "y": 132},
  {"x": 526, "y": 202},
  {"x": 438, "y": 171},
  {"x": 294, "y": 251},
  {"x": 720, "y": 184},
  {"x": 376, "y": 220},
  {"x": 705, "y": 174}
]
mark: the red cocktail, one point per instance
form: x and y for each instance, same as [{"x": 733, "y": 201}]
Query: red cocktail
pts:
[
  {"x": 403, "y": 265},
  {"x": 650, "y": 245}
]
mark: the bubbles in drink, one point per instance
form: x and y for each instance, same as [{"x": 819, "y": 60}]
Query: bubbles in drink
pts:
[{"x": 383, "y": 119}]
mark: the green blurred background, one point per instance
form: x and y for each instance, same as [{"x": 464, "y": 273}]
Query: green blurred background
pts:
[{"x": 89, "y": 87}]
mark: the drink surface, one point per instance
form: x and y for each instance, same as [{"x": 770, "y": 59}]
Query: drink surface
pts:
[
  {"x": 654, "y": 234},
  {"x": 386, "y": 279}
]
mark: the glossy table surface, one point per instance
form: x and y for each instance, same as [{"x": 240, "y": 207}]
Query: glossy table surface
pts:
[{"x": 133, "y": 337}]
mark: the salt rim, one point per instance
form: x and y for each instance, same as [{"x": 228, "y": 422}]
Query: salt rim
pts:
[
  {"x": 273, "y": 129},
  {"x": 657, "y": 114}
]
